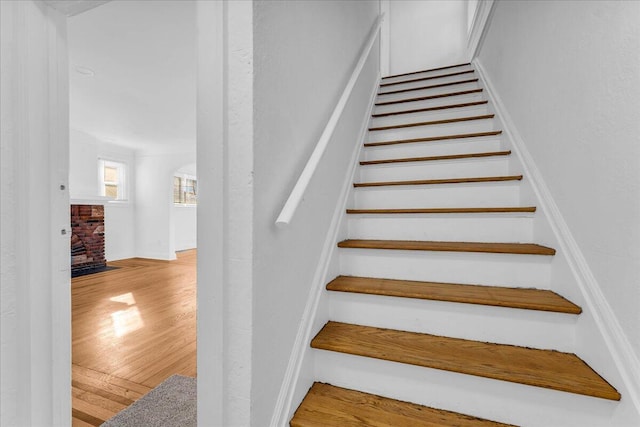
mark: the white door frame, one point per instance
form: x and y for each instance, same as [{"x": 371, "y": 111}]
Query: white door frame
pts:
[
  {"x": 211, "y": 154},
  {"x": 36, "y": 340},
  {"x": 47, "y": 394}
]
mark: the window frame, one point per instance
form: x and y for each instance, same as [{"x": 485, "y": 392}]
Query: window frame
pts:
[
  {"x": 121, "y": 183},
  {"x": 183, "y": 179}
]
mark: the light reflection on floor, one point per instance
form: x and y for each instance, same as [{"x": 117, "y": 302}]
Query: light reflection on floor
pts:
[{"x": 126, "y": 320}]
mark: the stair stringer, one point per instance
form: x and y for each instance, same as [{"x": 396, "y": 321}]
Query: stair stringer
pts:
[
  {"x": 300, "y": 373},
  {"x": 600, "y": 340}
]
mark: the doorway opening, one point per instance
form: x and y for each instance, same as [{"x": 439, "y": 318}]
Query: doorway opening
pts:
[{"x": 132, "y": 78}]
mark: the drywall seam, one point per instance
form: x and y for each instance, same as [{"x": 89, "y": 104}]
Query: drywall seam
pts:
[
  {"x": 619, "y": 346},
  {"x": 481, "y": 21},
  {"x": 303, "y": 337}
]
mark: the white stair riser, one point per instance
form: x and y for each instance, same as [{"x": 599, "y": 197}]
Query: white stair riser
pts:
[
  {"x": 471, "y": 126},
  {"x": 425, "y": 116},
  {"x": 428, "y": 92},
  {"x": 481, "y": 397},
  {"x": 477, "y": 96},
  {"x": 508, "y": 270},
  {"x": 431, "y": 81},
  {"x": 459, "y": 168},
  {"x": 451, "y": 227},
  {"x": 433, "y": 148},
  {"x": 467, "y": 321},
  {"x": 438, "y": 195},
  {"x": 427, "y": 74}
]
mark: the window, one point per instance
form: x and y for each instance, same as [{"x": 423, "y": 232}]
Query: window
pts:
[
  {"x": 185, "y": 190},
  {"x": 113, "y": 179}
]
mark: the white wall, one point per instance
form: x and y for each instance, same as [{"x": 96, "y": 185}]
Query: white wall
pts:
[
  {"x": 225, "y": 213},
  {"x": 85, "y": 151},
  {"x": 569, "y": 75},
  {"x": 426, "y": 34},
  {"x": 185, "y": 230},
  {"x": 154, "y": 210},
  {"x": 35, "y": 377},
  {"x": 299, "y": 76}
]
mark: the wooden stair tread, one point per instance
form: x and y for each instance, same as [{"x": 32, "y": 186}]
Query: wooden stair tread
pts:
[
  {"x": 428, "y": 87},
  {"x": 524, "y": 298},
  {"x": 440, "y": 181},
  {"x": 421, "y": 245},
  {"x": 426, "y": 71},
  {"x": 330, "y": 406},
  {"x": 434, "y": 158},
  {"x": 439, "y": 107},
  {"x": 459, "y": 73},
  {"x": 534, "y": 367},
  {"x": 426, "y": 98},
  {"x": 434, "y": 138},
  {"x": 514, "y": 209},
  {"x": 435, "y": 122}
]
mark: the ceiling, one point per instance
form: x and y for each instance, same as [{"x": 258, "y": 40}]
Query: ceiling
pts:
[{"x": 143, "y": 91}]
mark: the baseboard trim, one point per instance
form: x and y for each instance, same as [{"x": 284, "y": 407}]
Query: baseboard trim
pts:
[
  {"x": 157, "y": 255},
  {"x": 303, "y": 337},
  {"x": 119, "y": 256},
  {"x": 619, "y": 346}
]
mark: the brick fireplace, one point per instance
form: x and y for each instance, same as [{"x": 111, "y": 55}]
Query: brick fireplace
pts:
[{"x": 87, "y": 239}]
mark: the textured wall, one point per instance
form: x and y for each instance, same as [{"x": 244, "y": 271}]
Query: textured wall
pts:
[
  {"x": 304, "y": 54},
  {"x": 35, "y": 302},
  {"x": 569, "y": 75}
]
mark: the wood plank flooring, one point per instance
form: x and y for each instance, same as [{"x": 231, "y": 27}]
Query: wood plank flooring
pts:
[
  {"x": 507, "y": 209},
  {"x": 541, "y": 368},
  {"x": 435, "y": 138},
  {"x": 436, "y": 108},
  {"x": 460, "y": 82},
  {"x": 426, "y": 98},
  {"x": 426, "y": 71},
  {"x": 434, "y": 122},
  {"x": 440, "y": 181},
  {"x": 427, "y": 78},
  {"x": 524, "y": 298},
  {"x": 132, "y": 328},
  {"x": 329, "y": 406},
  {"x": 410, "y": 245},
  {"x": 436, "y": 158}
]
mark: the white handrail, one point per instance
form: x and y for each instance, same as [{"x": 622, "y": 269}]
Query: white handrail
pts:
[{"x": 297, "y": 193}]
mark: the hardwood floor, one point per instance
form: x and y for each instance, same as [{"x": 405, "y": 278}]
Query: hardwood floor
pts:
[
  {"x": 550, "y": 369},
  {"x": 329, "y": 406},
  {"x": 132, "y": 328}
]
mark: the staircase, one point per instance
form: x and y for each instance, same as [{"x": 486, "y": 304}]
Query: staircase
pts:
[{"x": 443, "y": 313}]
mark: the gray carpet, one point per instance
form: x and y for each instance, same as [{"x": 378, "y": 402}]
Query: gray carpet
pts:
[{"x": 171, "y": 404}]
